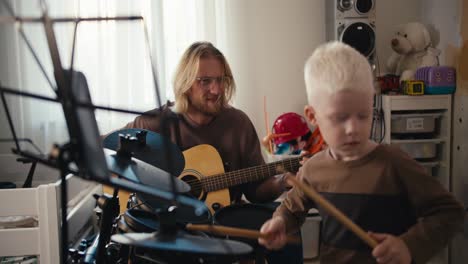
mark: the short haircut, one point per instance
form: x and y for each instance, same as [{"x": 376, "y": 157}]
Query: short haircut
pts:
[
  {"x": 336, "y": 66},
  {"x": 187, "y": 70}
]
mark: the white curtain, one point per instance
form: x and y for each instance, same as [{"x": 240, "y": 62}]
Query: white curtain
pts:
[{"x": 113, "y": 56}]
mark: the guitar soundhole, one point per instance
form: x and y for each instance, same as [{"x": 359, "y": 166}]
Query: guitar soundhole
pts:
[{"x": 195, "y": 185}]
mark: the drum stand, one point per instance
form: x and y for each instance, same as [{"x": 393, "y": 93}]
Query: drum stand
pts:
[
  {"x": 110, "y": 210},
  {"x": 110, "y": 206}
]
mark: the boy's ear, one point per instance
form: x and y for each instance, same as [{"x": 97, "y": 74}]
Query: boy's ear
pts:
[{"x": 309, "y": 113}]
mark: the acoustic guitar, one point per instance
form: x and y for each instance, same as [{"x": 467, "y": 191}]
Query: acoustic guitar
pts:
[{"x": 204, "y": 172}]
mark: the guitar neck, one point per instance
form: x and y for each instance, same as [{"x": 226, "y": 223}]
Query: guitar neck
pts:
[{"x": 229, "y": 179}]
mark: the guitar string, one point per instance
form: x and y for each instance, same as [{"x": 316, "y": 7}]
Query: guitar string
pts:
[
  {"x": 270, "y": 169},
  {"x": 238, "y": 177},
  {"x": 241, "y": 174}
]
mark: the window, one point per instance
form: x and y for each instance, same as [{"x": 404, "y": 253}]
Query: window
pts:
[{"x": 113, "y": 56}]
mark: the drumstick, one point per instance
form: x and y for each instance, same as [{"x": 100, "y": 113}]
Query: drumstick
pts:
[
  {"x": 237, "y": 232},
  {"x": 331, "y": 209}
]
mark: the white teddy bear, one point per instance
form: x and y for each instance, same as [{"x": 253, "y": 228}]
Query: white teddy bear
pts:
[{"x": 413, "y": 49}]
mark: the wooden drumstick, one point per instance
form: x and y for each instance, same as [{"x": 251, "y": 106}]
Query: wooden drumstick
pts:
[
  {"x": 332, "y": 210},
  {"x": 237, "y": 232}
]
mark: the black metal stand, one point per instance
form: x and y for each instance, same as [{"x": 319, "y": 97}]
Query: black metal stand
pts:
[
  {"x": 63, "y": 161},
  {"x": 28, "y": 182},
  {"x": 110, "y": 210},
  {"x": 167, "y": 222}
]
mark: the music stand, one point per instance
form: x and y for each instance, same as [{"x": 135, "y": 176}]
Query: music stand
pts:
[{"x": 83, "y": 154}]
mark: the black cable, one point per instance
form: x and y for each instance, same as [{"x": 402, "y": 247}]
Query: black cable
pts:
[
  {"x": 23, "y": 140},
  {"x": 28, "y": 181},
  {"x": 383, "y": 131}
]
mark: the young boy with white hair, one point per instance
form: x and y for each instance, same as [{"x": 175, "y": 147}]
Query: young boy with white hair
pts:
[{"x": 379, "y": 187}]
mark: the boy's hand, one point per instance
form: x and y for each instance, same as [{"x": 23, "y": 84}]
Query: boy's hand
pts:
[
  {"x": 391, "y": 249},
  {"x": 305, "y": 156},
  {"x": 284, "y": 182},
  {"x": 275, "y": 231}
]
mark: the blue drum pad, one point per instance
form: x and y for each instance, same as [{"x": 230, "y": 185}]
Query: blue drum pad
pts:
[{"x": 157, "y": 151}]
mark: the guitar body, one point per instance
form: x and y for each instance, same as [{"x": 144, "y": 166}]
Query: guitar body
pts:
[{"x": 204, "y": 161}]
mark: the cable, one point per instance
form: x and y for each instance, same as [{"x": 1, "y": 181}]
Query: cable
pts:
[{"x": 24, "y": 140}]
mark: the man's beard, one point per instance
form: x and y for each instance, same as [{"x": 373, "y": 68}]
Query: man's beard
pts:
[{"x": 200, "y": 105}]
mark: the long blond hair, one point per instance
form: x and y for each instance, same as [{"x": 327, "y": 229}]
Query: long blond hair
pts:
[{"x": 187, "y": 70}]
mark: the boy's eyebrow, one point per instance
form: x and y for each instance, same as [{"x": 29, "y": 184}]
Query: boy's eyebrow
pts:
[{"x": 336, "y": 113}]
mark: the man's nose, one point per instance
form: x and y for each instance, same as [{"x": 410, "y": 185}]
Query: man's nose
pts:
[{"x": 215, "y": 87}]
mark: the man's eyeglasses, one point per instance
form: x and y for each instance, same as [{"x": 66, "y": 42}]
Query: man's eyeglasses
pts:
[{"x": 208, "y": 81}]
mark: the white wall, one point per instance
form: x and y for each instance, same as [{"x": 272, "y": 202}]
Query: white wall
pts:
[{"x": 268, "y": 43}]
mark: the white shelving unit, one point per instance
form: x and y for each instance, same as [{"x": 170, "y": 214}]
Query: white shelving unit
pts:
[
  {"x": 41, "y": 203},
  {"x": 439, "y": 105}
]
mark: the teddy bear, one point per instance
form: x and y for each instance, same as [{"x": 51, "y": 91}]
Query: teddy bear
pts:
[{"x": 413, "y": 49}]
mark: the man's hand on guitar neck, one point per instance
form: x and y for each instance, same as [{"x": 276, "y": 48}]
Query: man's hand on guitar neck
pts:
[
  {"x": 282, "y": 178},
  {"x": 305, "y": 156},
  {"x": 285, "y": 186},
  {"x": 273, "y": 187}
]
